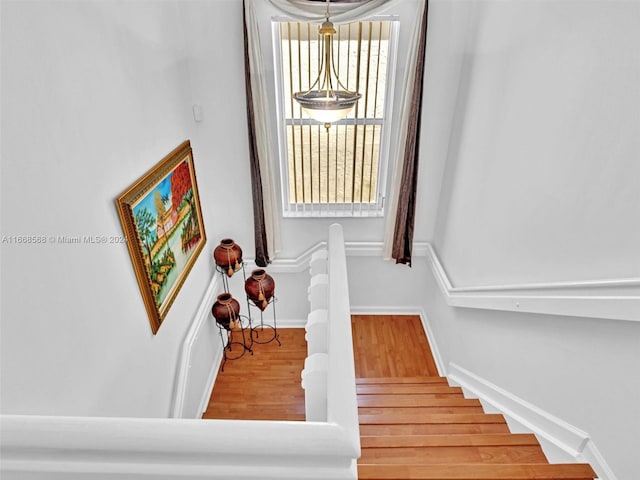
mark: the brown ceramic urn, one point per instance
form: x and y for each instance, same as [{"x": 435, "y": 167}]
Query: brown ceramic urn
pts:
[
  {"x": 228, "y": 256},
  {"x": 259, "y": 288},
  {"x": 226, "y": 311}
]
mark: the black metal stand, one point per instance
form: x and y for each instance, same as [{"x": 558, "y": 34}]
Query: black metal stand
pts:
[
  {"x": 225, "y": 277},
  {"x": 262, "y": 333},
  {"x": 258, "y": 334},
  {"x": 228, "y": 352}
]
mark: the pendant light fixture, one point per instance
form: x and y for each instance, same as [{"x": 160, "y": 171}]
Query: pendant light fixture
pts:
[{"x": 327, "y": 100}]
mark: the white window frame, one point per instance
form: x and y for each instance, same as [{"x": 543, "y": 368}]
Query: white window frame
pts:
[{"x": 352, "y": 209}]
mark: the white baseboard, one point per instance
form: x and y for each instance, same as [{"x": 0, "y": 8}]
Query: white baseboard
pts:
[
  {"x": 431, "y": 338},
  {"x": 291, "y": 322},
  {"x": 553, "y": 432},
  {"x": 593, "y": 457}
]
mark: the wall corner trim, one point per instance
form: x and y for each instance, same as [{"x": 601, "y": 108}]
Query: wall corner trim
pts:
[
  {"x": 614, "y": 299},
  {"x": 562, "y": 435}
]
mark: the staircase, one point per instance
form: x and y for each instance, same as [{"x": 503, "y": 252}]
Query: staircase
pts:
[{"x": 421, "y": 428}]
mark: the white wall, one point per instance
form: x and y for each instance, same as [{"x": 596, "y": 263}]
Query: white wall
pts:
[
  {"x": 542, "y": 174},
  {"x": 541, "y": 184},
  {"x": 93, "y": 95},
  {"x": 213, "y": 34}
]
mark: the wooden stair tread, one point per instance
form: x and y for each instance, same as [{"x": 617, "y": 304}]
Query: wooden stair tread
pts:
[
  {"x": 400, "y": 380},
  {"x": 487, "y": 454},
  {"x": 416, "y": 400},
  {"x": 451, "y": 449},
  {"x": 476, "y": 472},
  {"x": 449, "y": 418},
  {"x": 378, "y": 441},
  {"x": 407, "y": 389}
]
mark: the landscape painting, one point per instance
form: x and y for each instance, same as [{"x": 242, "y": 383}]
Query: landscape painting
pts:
[{"x": 162, "y": 220}]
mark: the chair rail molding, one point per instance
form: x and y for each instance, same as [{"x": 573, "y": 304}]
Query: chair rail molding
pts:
[
  {"x": 615, "y": 299},
  {"x": 301, "y": 262}
]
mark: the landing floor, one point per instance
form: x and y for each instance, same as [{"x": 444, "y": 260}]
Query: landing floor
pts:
[{"x": 266, "y": 385}]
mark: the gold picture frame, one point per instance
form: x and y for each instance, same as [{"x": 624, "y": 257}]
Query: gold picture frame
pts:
[{"x": 162, "y": 222}]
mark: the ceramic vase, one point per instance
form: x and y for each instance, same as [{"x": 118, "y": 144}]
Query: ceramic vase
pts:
[
  {"x": 259, "y": 288},
  {"x": 228, "y": 256},
  {"x": 226, "y": 311}
]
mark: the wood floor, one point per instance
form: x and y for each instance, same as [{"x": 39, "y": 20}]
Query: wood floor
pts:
[
  {"x": 391, "y": 346},
  {"x": 265, "y": 385},
  {"x": 413, "y": 425}
]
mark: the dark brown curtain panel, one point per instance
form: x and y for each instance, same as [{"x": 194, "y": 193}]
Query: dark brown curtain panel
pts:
[
  {"x": 259, "y": 231},
  {"x": 405, "y": 213}
]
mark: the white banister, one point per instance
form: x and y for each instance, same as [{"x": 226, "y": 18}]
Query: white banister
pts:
[
  {"x": 330, "y": 331},
  {"x": 318, "y": 262},
  {"x": 317, "y": 328},
  {"x": 342, "y": 403},
  {"x": 314, "y": 383},
  {"x": 319, "y": 291}
]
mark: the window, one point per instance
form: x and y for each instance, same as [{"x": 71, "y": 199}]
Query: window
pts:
[{"x": 339, "y": 171}]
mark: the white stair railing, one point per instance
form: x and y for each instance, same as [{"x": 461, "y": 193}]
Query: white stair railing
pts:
[
  {"x": 74, "y": 448},
  {"x": 329, "y": 373}
]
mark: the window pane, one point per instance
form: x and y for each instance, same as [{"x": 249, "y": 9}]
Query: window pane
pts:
[
  {"x": 335, "y": 166},
  {"x": 339, "y": 165}
]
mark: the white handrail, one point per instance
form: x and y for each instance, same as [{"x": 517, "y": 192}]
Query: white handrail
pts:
[
  {"x": 172, "y": 448},
  {"x": 329, "y": 373},
  {"x": 342, "y": 404}
]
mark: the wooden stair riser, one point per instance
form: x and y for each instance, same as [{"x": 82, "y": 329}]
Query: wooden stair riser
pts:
[
  {"x": 390, "y": 417},
  {"x": 459, "y": 440},
  {"x": 416, "y": 414},
  {"x": 417, "y": 400},
  {"x": 433, "y": 429},
  {"x": 401, "y": 380}
]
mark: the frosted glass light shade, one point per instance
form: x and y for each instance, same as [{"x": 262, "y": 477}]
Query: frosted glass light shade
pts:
[{"x": 327, "y": 107}]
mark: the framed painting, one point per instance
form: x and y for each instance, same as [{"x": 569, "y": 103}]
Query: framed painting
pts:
[{"x": 162, "y": 221}]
